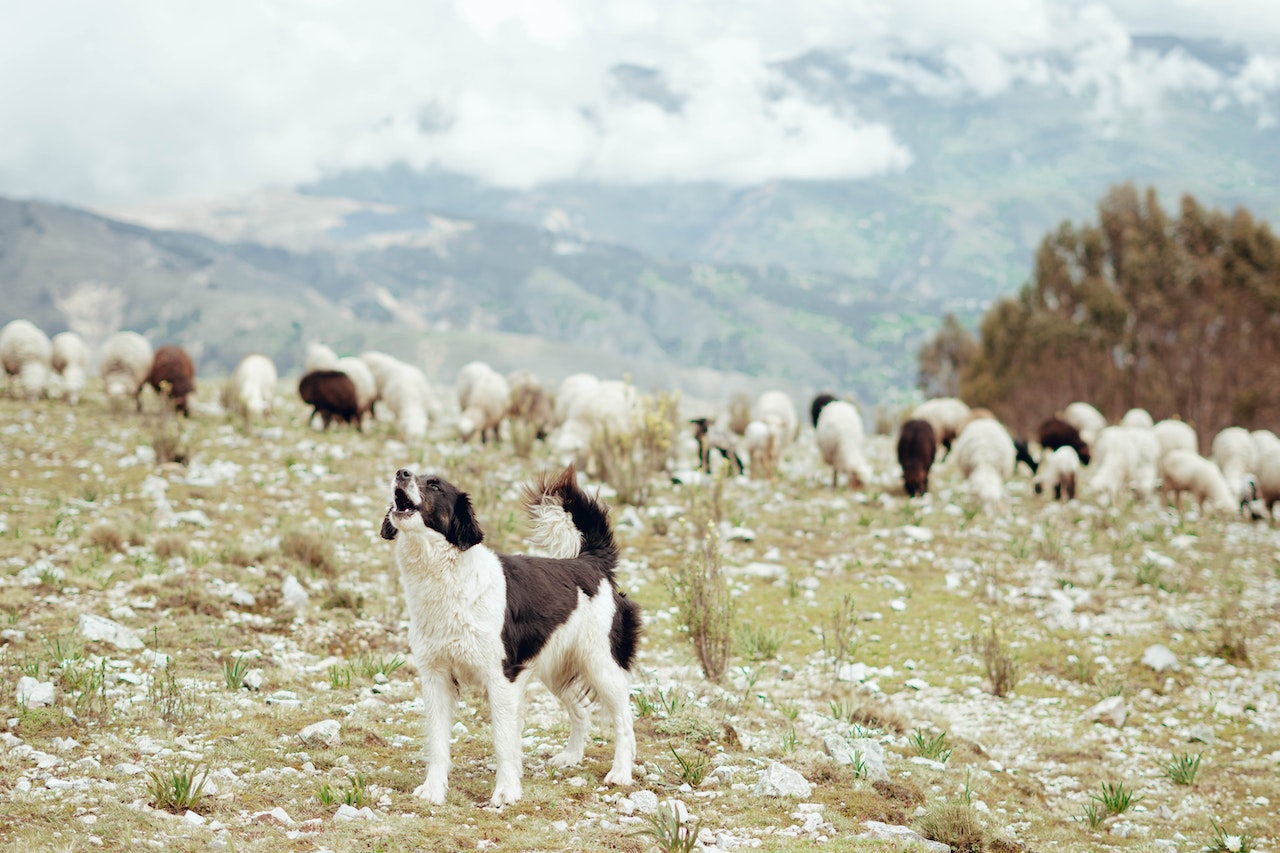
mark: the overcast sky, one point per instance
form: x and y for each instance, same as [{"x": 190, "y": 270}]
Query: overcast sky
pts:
[{"x": 123, "y": 102}]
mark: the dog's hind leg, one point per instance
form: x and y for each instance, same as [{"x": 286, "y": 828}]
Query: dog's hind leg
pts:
[
  {"x": 439, "y": 698},
  {"x": 613, "y": 689},
  {"x": 504, "y": 707},
  {"x": 578, "y": 707}
]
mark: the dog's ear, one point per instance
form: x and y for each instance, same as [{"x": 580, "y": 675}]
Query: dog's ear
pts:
[
  {"x": 389, "y": 530},
  {"x": 463, "y": 531}
]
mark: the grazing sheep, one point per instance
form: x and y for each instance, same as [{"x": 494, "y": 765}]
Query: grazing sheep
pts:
[
  {"x": 255, "y": 380},
  {"x": 173, "y": 375},
  {"x": 1087, "y": 420},
  {"x": 1264, "y": 440},
  {"x": 319, "y": 357},
  {"x": 947, "y": 416},
  {"x": 986, "y": 456},
  {"x": 1173, "y": 434},
  {"x": 484, "y": 397},
  {"x": 362, "y": 378},
  {"x": 1024, "y": 455},
  {"x": 124, "y": 364},
  {"x": 819, "y": 403},
  {"x": 572, "y": 388},
  {"x": 71, "y": 363},
  {"x": 530, "y": 403},
  {"x": 1126, "y": 458},
  {"x": 1188, "y": 471},
  {"x": 770, "y": 432},
  {"x": 1236, "y": 454},
  {"x": 27, "y": 355},
  {"x": 331, "y": 395},
  {"x": 406, "y": 394},
  {"x": 1268, "y": 471},
  {"x": 1055, "y": 432},
  {"x": 839, "y": 438},
  {"x": 612, "y": 407},
  {"x": 1137, "y": 418},
  {"x": 916, "y": 449},
  {"x": 761, "y": 441},
  {"x": 777, "y": 406},
  {"x": 718, "y": 438},
  {"x": 1059, "y": 472}
]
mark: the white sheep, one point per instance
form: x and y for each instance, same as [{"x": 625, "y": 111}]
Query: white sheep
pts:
[
  {"x": 1264, "y": 440},
  {"x": 1236, "y": 454},
  {"x": 1188, "y": 471},
  {"x": 1126, "y": 458},
  {"x": 27, "y": 355},
  {"x": 484, "y": 397},
  {"x": 362, "y": 378},
  {"x": 319, "y": 357},
  {"x": 770, "y": 432},
  {"x": 1268, "y": 471},
  {"x": 613, "y": 407},
  {"x": 1137, "y": 418},
  {"x": 986, "y": 456},
  {"x": 839, "y": 437},
  {"x": 406, "y": 394},
  {"x": 254, "y": 380},
  {"x": 1058, "y": 473},
  {"x": 124, "y": 363},
  {"x": 1087, "y": 420},
  {"x": 530, "y": 403},
  {"x": 1174, "y": 435},
  {"x": 572, "y": 388},
  {"x": 71, "y": 363},
  {"x": 948, "y": 417}
]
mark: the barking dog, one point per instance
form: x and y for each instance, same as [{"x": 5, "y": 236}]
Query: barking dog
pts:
[{"x": 494, "y": 620}]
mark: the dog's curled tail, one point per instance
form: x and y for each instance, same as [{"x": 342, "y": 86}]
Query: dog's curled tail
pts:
[{"x": 567, "y": 522}]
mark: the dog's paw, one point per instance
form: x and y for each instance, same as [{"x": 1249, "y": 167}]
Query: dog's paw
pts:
[
  {"x": 432, "y": 791},
  {"x": 505, "y": 795},
  {"x": 565, "y": 759},
  {"x": 619, "y": 776}
]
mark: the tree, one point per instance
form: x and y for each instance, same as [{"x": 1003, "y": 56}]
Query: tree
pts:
[
  {"x": 945, "y": 357},
  {"x": 1180, "y": 316}
]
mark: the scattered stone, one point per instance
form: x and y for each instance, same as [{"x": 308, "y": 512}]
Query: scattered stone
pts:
[
  {"x": 1111, "y": 711},
  {"x": 868, "y": 751},
  {"x": 645, "y": 802},
  {"x": 916, "y": 683},
  {"x": 917, "y": 534},
  {"x": 294, "y": 595},
  {"x": 854, "y": 672},
  {"x": 779, "y": 780},
  {"x": 324, "y": 733},
  {"x": 1159, "y": 658},
  {"x": 769, "y": 571},
  {"x": 901, "y": 835},
  {"x": 626, "y": 806},
  {"x": 277, "y": 816},
  {"x": 100, "y": 628},
  {"x": 253, "y": 679},
  {"x": 40, "y": 571},
  {"x": 1202, "y": 733},
  {"x": 33, "y": 693}
]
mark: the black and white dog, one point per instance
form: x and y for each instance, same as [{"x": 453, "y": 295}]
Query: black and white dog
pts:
[{"x": 494, "y": 620}]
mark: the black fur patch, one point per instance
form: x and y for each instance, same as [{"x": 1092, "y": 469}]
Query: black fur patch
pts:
[{"x": 542, "y": 594}]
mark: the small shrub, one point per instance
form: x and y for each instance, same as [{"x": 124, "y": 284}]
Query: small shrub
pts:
[
  {"x": 370, "y": 666},
  {"x": 692, "y": 770},
  {"x": 1093, "y": 813},
  {"x": 353, "y": 793},
  {"x": 105, "y": 537},
  {"x": 170, "y": 545},
  {"x": 934, "y": 748},
  {"x": 1115, "y": 798},
  {"x": 234, "y": 671},
  {"x": 340, "y": 676},
  {"x": 1223, "y": 841},
  {"x": 701, "y": 593},
  {"x": 176, "y": 790},
  {"x": 1000, "y": 664},
  {"x": 758, "y": 642},
  {"x": 953, "y": 823},
  {"x": 667, "y": 831},
  {"x": 310, "y": 549},
  {"x": 840, "y": 633},
  {"x": 1182, "y": 769}
]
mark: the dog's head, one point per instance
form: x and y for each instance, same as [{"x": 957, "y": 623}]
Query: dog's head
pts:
[{"x": 424, "y": 502}]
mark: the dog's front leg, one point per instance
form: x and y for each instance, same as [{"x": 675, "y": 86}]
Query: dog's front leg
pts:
[
  {"x": 439, "y": 698},
  {"x": 504, "y": 706}
]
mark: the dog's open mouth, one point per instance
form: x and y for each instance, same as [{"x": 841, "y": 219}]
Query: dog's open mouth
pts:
[{"x": 402, "y": 501}]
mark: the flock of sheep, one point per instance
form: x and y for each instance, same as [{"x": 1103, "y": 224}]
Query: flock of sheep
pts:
[{"x": 1135, "y": 456}]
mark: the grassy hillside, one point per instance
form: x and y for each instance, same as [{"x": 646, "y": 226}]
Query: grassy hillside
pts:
[{"x": 861, "y": 619}]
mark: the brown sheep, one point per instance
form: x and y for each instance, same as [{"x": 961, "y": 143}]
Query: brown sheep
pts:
[
  {"x": 1055, "y": 433},
  {"x": 917, "y": 446},
  {"x": 332, "y": 395},
  {"x": 173, "y": 375}
]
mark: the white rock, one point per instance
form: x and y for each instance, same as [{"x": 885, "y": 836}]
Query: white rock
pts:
[
  {"x": 1111, "y": 711},
  {"x": 779, "y": 780},
  {"x": 324, "y": 733},
  {"x": 101, "y": 628},
  {"x": 253, "y": 679},
  {"x": 917, "y": 534},
  {"x": 916, "y": 683},
  {"x": 34, "y": 693},
  {"x": 625, "y": 806},
  {"x": 346, "y": 812},
  {"x": 276, "y": 815},
  {"x": 855, "y": 672},
  {"x": 869, "y": 751},
  {"x": 1159, "y": 658},
  {"x": 901, "y": 835},
  {"x": 294, "y": 595},
  {"x": 645, "y": 802}
]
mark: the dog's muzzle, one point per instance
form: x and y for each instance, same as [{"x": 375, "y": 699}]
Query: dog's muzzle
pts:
[{"x": 406, "y": 491}]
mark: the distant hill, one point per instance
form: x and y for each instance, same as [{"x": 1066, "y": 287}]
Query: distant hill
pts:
[{"x": 457, "y": 290}]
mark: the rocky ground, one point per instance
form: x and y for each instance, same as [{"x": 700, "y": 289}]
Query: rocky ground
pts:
[{"x": 234, "y": 619}]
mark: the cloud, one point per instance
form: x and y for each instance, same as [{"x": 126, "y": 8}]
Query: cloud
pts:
[{"x": 132, "y": 101}]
